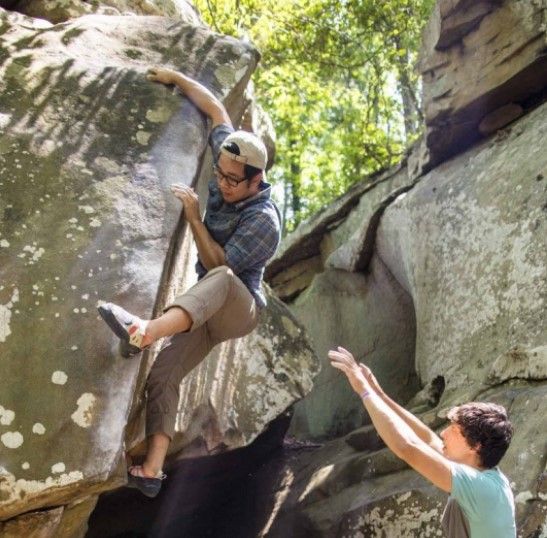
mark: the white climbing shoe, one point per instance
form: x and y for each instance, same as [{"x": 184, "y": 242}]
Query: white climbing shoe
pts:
[{"x": 128, "y": 328}]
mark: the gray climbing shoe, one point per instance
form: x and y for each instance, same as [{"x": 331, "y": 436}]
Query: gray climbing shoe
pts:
[{"x": 128, "y": 328}]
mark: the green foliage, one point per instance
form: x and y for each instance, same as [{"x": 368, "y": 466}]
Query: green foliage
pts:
[{"x": 337, "y": 79}]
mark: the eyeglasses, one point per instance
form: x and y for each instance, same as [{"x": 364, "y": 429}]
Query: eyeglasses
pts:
[{"x": 232, "y": 181}]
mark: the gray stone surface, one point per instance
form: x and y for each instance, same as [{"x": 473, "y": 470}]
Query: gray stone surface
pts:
[
  {"x": 88, "y": 149},
  {"x": 42, "y": 524},
  {"x": 57, "y": 11},
  {"x": 73, "y": 524},
  {"x": 469, "y": 244},
  {"x": 373, "y": 317},
  {"x": 476, "y": 58},
  {"x": 342, "y": 301},
  {"x": 520, "y": 363},
  {"x": 351, "y": 487},
  {"x": 334, "y": 237}
]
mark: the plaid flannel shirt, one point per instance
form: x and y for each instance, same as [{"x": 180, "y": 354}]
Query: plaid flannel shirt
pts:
[{"x": 249, "y": 230}]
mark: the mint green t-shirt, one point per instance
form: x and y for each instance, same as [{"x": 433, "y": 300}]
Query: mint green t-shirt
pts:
[{"x": 486, "y": 500}]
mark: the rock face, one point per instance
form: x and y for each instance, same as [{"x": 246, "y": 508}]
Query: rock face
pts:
[
  {"x": 468, "y": 244},
  {"x": 432, "y": 272},
  {"x": 319, "y": 271},
  {"x": 88, "y": 149},
  {"x": 242, "y": 386},
  {"x": 256, "y": 120},
  {"x": 351, "y": 487},
  {"x": 439, "y": 267},
  {"x": 57, "y": 11},
  {"x": 478, "y": 59}
]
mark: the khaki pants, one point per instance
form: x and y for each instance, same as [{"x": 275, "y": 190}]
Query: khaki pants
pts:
[{"x": 221, "y": 308}]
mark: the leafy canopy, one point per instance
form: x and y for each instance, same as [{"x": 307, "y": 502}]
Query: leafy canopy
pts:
[{"x": 337, "y": 79}]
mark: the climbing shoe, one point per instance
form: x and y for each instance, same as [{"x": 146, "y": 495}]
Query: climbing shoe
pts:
[
  {"x": 146, "y": 485},
  {"x": 128, "y": 328}
]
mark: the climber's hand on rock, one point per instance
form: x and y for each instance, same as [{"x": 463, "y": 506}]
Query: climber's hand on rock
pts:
[
  {"x": 189, "y": 200},
  {"x": 343, "y": 360},
  {"x": 160, "y": 74}
]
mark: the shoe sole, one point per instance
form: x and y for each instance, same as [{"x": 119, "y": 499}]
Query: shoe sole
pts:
[
  {"x": 126, "y": 349},
  {"x": 147, "y": 486}
]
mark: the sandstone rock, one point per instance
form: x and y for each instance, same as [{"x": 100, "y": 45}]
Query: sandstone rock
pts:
[
  {"x": 500, "y": 118},
  {"x": 399, "y": 504},
  {"x": 256, "y": 120},
  {"x": 73, "y": 524},
  {"x": 330, "y": 229},
  {"x": 419, "y": 159},
  {"x": 430, "y": 395},
  {"x": 43, "y": 524},
  {"x": 57, "y": 11},
  {"x": 467, "y": 243},
  {"x": 61, "y": 522},
  {"x": 356, "y": 253},
  {"x": 87, "y": 152},
  {"x": 520, "y": 363},
  {"x": 368, "y": 314},
  {"x": 364, "y": 438},
  {"x": 459, "y": 17},
  {"x": 291, "y": 282},
  {"x": 315, "y": 270},
  {"x": 337, "y": 492},
  {"x": 476, "y": 58}
]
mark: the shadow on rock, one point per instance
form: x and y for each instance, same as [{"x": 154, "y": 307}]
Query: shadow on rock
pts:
[{"x": 210, "y": 496}]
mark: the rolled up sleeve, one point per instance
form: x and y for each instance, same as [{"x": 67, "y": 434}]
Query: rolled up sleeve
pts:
[{"x": 217, "y": 137}]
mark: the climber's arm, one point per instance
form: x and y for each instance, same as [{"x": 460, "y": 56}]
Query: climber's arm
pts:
[
  {"x": 426, "y": 434},
  {"x": 210, "y": 253},
  {"x": 394, "y": 431},
  {"x": 196, "y": 92}
]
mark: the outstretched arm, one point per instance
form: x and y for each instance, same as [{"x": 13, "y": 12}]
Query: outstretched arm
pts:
[
  {"x": 394, "y": 431},
  {"x": 427, "y": 435},
  {"x": 196, "y": 92}
]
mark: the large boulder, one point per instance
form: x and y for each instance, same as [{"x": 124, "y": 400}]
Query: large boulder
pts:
[
  {"x": 466, "y": 244},
  {"x": 353, "y": 487},
  {"x": 57, "y": 11},
  {"x": 483, "y": 65},
  {"x": 88, "y": 149},
  {"x": 324, "y": 272},
  {"x": 240, "y": 388}
]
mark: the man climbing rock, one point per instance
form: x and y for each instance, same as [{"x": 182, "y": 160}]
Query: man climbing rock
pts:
[
  {"x": 240, "y": 232},
  {"x": 462, "y": 461}
]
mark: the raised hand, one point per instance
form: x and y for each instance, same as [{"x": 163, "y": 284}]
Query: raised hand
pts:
[
  {"x": 343, "y": 360},
  {"x": 371, "y": 378}
]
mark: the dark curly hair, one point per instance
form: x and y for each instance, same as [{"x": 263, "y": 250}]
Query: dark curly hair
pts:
[{"x": 485, "y": 426}]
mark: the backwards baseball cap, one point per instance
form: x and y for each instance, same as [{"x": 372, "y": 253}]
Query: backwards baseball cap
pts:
[{"x": 246, "y": 148}]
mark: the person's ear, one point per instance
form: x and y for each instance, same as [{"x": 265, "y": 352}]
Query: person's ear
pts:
[{"x": 255, "y": 180}]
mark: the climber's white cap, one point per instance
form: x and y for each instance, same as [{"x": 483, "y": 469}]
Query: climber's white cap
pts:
[{"x": 246, "y": 148}]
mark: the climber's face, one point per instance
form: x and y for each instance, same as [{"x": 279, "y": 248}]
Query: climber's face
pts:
[
  {"x": 231, "y": 180},
  {"x": 455, "y": 445}
]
